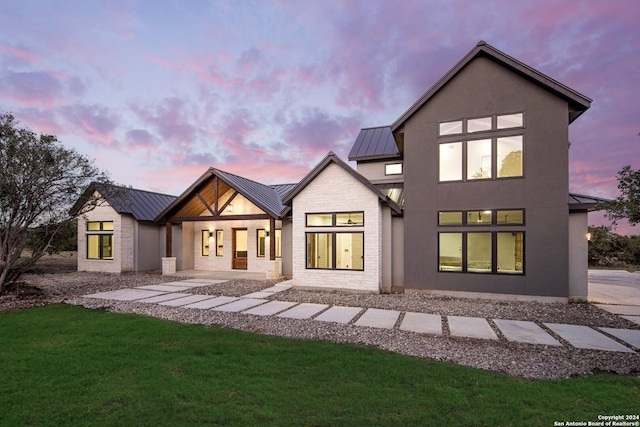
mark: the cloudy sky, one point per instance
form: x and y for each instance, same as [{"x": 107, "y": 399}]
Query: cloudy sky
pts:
[{"x": 156, "y": 91}]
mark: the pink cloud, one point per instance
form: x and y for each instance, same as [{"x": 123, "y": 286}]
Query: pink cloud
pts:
[
  {"x": 94, "y": 122},
  {"x": 171, "y": 119},
  {"x": 31, "y": 89}
]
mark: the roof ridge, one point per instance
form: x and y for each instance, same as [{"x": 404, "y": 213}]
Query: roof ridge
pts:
[
  {"x": 124, "y": 187},
  {"x": 240, "y": 176}
]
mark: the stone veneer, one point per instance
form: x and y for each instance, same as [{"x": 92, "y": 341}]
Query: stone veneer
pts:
[{"x": 335, "y": 190}]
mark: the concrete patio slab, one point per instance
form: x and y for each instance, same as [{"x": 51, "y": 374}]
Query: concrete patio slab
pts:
[
  {"x": 630, "y": 310},
  {"x": 210, "y": 303},
  {"x": 303, "y": 311},
  {"x": 125, "y": 294},
  {"x": 377, "y": 318},
  {"x": 471, "y": 327},
  {"x": 164, "y": 297},
  {"x": 261, "y": 295},
  {"x": 525, "y": 332},
  {"x": 614, "y": 287},
  {"x": 585, "y": 337},
  {"x": 422, "y": 323},
  {"x": 270, "y": 308},
  {"x": 178, "y": 302},
  {"x": 163, "y": 287},
  {"x": 338, "y": 314},
  {"x": 634, "y": 319},
  {"x": 240, "y": 305},
  {"x": 630, "y": 336}
]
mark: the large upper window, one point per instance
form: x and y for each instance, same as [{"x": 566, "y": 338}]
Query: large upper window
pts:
[{"x": 488, "y": 158}]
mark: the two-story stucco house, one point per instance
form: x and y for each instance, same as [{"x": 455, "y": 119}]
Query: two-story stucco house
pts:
[{"x": 466, "y": 193}]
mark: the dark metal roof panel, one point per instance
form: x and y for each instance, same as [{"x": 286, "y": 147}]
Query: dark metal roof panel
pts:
[
  {"x": 143, "y": 205},
  {"x": 283, "y": 189},
  {"x": 583, "y": 202},
  {"x": 264, "y": 196},
  {"x": 374, "y": 143}
]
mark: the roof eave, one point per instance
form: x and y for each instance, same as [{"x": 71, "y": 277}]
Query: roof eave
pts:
[{"x": 482, "y": 48}]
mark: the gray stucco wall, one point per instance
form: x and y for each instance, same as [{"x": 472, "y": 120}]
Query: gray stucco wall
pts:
[
  {"x": 147, "y": 250},
  {"x": 485, "y": 88}
]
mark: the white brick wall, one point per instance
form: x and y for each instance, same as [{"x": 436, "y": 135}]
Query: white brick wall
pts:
[
  {"x": 335, "y": 190},
  {"x": 123, "y": 241}
]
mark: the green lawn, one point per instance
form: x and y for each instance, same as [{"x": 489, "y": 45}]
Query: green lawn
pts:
[{"x": 62, "y": 365}]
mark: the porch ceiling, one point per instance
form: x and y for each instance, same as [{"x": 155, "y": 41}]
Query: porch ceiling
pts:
[{"x": 192, "y": 204}]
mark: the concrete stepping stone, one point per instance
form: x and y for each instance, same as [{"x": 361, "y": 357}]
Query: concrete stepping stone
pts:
[
  {"x": 240, "y": 305},
  {"x": 164, "y": 297},
  {"x": 210, "y": 303},
  {"x": 339, "y": 314},
  {"x": 261, "y": 294},
  {"x": 203, "y": 282},
  {"x": 525, "y": 332},
  {"x": 422, "y": 323},
  {"x": 182, "y": 284},
  {"x": 164, "y": 288},
  {"x": 278, "y": 288},
  {"x": 270, "y": 308},
  {"x": 377, "y": 318},
  {"x": 125, "y": 294},
  {"x": 303, "y": 311},
  {"x": 634, "y": 319},
  {"x": 630, "y": 336},
  {"x": 470, "y": 327},
  {"x": 190, "y": 299},
  {"x": 585, "y": 337},
  {"x": 629, "y": 310}
]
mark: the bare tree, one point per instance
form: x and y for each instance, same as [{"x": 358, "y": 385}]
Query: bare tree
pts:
[{"x": 39, "y": 182}]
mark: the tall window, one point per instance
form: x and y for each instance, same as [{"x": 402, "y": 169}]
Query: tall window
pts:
[
  {"x": 488, "y": 158},
  {"x": 219, "y": 243},
  {"x": 262, "y": 237},
  {"x": 100, "y": 243},
  {"x": 206, "y": 242}
]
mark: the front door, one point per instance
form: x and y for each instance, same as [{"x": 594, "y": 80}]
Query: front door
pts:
[{"x": 240, "y": 243}]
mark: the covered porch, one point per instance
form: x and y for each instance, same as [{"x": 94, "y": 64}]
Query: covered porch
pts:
[{"x": 225, "y": 223}]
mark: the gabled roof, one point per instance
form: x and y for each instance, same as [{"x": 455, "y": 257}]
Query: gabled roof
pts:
[
  {"x": 267, "y": 198},
  {"x": 332, "y": 158},
  {"x": 581, "y": 202},
  {"x": 578, "y": 103},
  {"x": 374, "y": 143},
  {"x": 141, "y": 204}
]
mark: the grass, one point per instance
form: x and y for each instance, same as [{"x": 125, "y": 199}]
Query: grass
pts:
[{"x": 63, "y": 365}]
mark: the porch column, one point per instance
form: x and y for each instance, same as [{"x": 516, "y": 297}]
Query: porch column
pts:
[
  {"x": 169, "y": 242},
  {"x": 272, "y": 239}
]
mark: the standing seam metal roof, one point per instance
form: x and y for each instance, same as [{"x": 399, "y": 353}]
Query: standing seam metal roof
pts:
[{"x": 373, "y": 143}]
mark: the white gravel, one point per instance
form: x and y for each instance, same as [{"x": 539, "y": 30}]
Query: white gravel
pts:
[{"x": 522, "y": 360}]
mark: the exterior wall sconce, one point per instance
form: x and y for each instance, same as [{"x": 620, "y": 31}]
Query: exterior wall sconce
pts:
[
  {"x": 266, "y": 231},
  {"x": 588, "y": 236},
  {"x": 230, "y": 208}
]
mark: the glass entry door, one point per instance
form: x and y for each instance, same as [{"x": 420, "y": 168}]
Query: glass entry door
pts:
[{"x": 239, "y": 248}]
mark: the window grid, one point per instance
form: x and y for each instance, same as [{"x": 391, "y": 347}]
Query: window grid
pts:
[{"x": 497, "y": 217}]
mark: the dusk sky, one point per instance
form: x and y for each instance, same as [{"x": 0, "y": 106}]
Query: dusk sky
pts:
[{"x": 157, "y": 91}]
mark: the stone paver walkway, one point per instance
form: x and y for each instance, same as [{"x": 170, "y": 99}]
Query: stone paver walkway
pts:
[{"x": 175, "y": 294}]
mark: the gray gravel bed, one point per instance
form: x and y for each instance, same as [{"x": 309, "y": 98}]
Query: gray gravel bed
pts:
[{"x": 522, "y": 360}]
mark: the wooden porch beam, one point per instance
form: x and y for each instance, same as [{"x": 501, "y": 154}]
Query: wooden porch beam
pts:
[
  {"x": 169, "y": 240},
  {"x": 272, "y": 239},
  {"x": 206, "y": 205},
  {"x": 248, "y": 217},
  {"x": 215, "y": 196}
]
